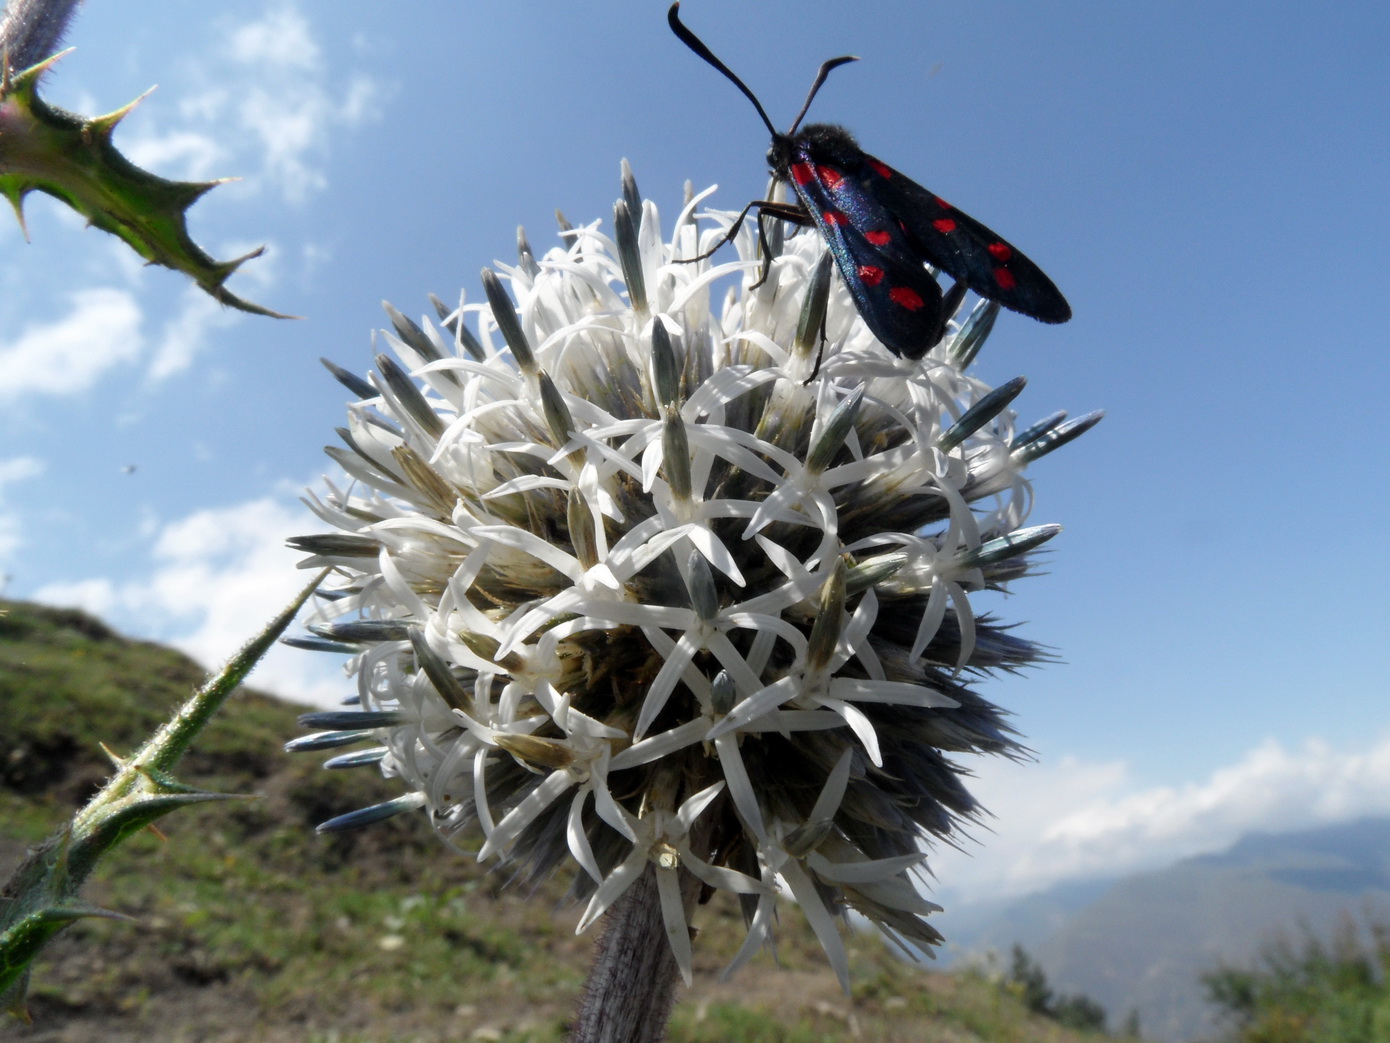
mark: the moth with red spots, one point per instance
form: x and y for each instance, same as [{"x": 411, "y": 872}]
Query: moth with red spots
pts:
[{"x": 884, "y": 228}]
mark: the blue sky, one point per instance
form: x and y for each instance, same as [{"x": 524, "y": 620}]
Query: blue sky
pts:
[{"x": 1208, "y": 188}]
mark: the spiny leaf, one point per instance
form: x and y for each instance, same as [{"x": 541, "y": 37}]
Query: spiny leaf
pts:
[
  {"x": 24, "y": 939},
  {"x": 133, "y": 814},
  {"x": 41, "y": 896},
  {"x": 44, "y": 148}
]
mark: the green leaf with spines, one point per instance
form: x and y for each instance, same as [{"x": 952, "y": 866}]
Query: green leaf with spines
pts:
[
  {"x": 47, "y": 149},
  {"x": 42, "y": 895},
  {"x": 135, "y": 813},
  {"x": 23, "y": 941}
]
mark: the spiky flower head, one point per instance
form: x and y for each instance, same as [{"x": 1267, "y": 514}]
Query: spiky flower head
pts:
[{"x": 633, "y": 577}]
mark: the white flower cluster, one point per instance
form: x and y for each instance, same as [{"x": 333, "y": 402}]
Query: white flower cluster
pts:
[{"x": 633, "y": 579}]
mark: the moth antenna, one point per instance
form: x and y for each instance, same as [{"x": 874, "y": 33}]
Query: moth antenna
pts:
[
  {"x": 833, "y": 63},
  {"x": 697, "y": 45}
]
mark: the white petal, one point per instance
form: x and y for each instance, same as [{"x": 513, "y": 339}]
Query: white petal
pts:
[
  {"x": 902, "y": 693},
  {"x": 673, "y": 917},
  {"x": 521, "y": 816},
  {"x": 862, "y": 727},
  {"x": 760, "y": 702},
  {"x": 868, "y": 871},
  {"x": 665, "y": 682},
  {"x": 691, "y": 807},
  {"x": 579, "y": 839},
  {"x": 740, "y": 786},
  {"x": 654, "y": 747},
  {"x": 759, "y": 933},
  {"x": 827, "y": 933},
  {"x": 623, "y": 876},
  {"x": 609, "y": 810},
  {"x": 833, "y": 790}
]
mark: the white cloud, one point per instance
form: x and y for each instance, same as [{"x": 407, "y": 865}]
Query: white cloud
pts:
[
  {"x": 194, "y": 154},
  {"x": 18, "y": 468},
  {"x": 11, "y": 539},
  {"x": 1077, "y": 820},
  {"x": 102, "y": 331},
  {"x": 68, "y": 356},
  {"x": 15, "y": 469},
  {"x": 213, "y": 579},
  {"x": 186, "y": 334},
  {"x": 97, "y": 596},
  {"x": 280, "y": 39},
  {"x": 267, "y": 110}
]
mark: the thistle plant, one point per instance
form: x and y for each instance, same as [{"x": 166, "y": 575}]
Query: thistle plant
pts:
[
  {"x": 650, "y": 572},
  {"x": 43, "y": 895},
  {"x": 47, "y": 149}
]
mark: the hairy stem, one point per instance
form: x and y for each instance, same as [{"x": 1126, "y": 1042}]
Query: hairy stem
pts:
[
  {"x": 632, "y": 985},
  {"x": 31, "y": 30},
  {"x": 42, "y": 897}
]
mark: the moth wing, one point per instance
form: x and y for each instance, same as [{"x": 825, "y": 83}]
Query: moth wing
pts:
[
  {"x": 899, "y": 299},
  {"x": 964, "y": 248}
]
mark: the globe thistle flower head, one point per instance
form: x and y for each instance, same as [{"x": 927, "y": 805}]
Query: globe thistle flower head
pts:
[{"x": 646, "y": 562}]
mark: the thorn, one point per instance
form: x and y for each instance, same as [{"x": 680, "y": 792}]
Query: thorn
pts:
[
  {"x": 224, "y": 296},
  {"x": 158, "y": 832},
  {"x": 106, "y": 124},
  {"x": 17, "y": 202},
  {"x": 26, "y": 78},
  {"x": 197, "y": 189},
  {"x": 239, "y": 261}
]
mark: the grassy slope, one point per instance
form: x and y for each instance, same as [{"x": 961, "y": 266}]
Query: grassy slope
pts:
[{"x": 250, "y": 927}]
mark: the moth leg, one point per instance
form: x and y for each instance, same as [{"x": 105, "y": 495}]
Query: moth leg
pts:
[
  {"x": 764, "y": 248},
  {"x": 785, "y": 211},
  {"x": 950, "y": 302},
  {"x": 727, "y": 237}
]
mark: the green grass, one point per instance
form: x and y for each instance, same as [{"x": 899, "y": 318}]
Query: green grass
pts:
[{"x": 245, "y": 917}]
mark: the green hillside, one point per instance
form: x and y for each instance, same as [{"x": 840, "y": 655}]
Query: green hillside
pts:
[{"x": 248, "y": 926}]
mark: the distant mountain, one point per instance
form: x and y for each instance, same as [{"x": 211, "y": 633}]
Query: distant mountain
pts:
[
  {"x": 982, "y": 927},
  {"x": 1142, "y": 942}
]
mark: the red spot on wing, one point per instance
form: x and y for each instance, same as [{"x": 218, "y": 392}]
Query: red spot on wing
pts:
[
  {"x": 879, "y": 237},
  {"x": 1005, "y": 278},
  {"x": 830, "y": 177},
  {"x": 881, "y": 169},
  {"x": 942, "y": 203},
  {"x": 944, "y": 225},
  {"x": 907, "y": 297},
  {"x": 1000, "y": 251},
  {"x": 834, "y": 217},
  {"x": 871, "y": 275},
  {"x": 801, "y": 173}
]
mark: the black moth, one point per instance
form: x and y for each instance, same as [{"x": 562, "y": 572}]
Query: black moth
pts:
[{"x": 882, "y": 228}]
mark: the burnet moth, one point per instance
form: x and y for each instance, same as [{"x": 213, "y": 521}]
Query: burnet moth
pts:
[{"x": 884, "y": 228}]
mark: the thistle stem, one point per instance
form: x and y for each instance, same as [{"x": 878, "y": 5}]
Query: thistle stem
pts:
[
  {"x": 42, "y": 895},
  {"x": 632, "y": 985},
  {"x": 31, "y": 30},
  {"x": 162, "y": 751}
]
